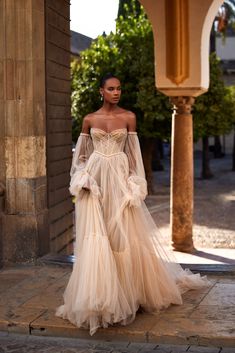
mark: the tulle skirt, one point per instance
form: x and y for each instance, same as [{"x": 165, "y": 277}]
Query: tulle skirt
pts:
[{"x": 120, "y": 263}]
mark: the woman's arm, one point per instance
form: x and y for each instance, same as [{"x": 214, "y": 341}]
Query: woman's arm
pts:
[
  {"x": 86, "y": 125},
  {"x": 136, "y": 180},
  {"x": 80, "y": 179},
  {"x": 131, "y": 122}
]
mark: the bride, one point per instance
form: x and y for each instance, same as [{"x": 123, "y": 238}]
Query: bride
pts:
[{"x": 120, "y": 263}]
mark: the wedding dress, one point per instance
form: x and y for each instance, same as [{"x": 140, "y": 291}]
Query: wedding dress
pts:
[{"x": 120, "y": 263}]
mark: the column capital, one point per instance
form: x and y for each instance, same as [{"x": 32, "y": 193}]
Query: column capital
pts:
[{"x": 182, "y": 104}]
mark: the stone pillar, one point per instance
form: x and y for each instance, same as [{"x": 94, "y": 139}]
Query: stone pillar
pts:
[
  {"x": 182, "y": 175},
  {"x": 1, "y": 228},
  {"x": 23, "y": 126}
]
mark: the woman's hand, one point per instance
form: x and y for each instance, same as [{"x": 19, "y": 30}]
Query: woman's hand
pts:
[{"x": 87, "y": 186}]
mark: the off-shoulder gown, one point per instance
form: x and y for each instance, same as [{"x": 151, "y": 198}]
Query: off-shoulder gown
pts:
[{"x": 120, "y": 263}]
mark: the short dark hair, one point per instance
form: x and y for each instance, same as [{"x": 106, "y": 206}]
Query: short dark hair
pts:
[{"x": 107, "y": 77}]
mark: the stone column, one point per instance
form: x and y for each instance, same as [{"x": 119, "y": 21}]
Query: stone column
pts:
[
  {"x": 1, "y": 216},
  {"x": 23, "y": 126},
  {"x": 182, "y": 175}
]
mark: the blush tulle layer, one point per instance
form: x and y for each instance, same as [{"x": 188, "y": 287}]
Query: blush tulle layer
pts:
[{"x": 120, "y": 263}]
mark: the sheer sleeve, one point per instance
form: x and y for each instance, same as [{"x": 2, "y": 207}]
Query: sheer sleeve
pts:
[
  {"x": 136, "y": 181},
  {"x": 80, "y": 178}
]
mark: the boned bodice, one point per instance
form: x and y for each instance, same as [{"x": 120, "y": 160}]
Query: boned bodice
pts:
[{"x": 108, "y": 143}]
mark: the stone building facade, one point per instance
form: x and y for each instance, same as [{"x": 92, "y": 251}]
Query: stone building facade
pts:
[{"x": 35, "y": 132}]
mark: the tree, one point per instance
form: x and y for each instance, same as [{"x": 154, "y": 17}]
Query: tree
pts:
[
  {"x": 129, "y": 53},
  {"x": 224, "y": 20},
  {"x": 232, "y": 92},
  {"x": 151, "y": 107},
  {"x": 128, "y": 6},
  {"x": 213, "y": 111},
  {"x": 226, "y": 16},
  {"x": 86, "y": 74}
]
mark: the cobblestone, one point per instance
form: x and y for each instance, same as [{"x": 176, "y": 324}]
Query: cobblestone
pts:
[{"x": 214, "y": 205}]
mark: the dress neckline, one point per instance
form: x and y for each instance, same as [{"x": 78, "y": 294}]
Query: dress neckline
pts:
[{"x": 110, "y": 132}]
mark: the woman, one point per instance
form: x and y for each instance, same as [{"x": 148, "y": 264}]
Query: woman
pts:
[{"x": 120, "y": 264}]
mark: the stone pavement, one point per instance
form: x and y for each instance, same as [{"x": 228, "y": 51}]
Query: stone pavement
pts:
[
  {"x": 30, "y": 295},
  {"x": 11, "y": 343},
  {"x": 214, "y": 205}
]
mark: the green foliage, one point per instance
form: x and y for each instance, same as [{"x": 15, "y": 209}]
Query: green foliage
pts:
[
  {"x": 129, "y": 54},
  {"x": 232, "y": 93},
  {"x": 129, "y": 6},
  {"x": 231, "y": 97},
  {"x": 226, "y": 18},
  {"x": 229, "y": 6},
  {"x": 86, "y": 75},
  {"x": 214, "y": 112}
]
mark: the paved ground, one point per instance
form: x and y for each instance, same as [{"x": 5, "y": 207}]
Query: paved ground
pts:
[
  {"x": 28, "y": 344},
  {"x": 205, "y": 323},
  {"x": 30, "y": 295},
  {"x": 214, "y": 205}
]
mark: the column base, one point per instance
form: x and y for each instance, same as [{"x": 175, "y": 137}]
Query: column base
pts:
[{"x": 182, "y": 248}]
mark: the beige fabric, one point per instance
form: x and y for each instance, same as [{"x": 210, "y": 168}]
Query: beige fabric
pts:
[{"x": 120, "y": 263}]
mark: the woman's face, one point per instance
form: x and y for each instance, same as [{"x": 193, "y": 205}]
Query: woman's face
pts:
[{"x": 111, "y": 91}]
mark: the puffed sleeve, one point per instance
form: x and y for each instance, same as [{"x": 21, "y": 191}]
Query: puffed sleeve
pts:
[
  {"x": 80, "y": 178},
  {"x": 136, "y": 181}
]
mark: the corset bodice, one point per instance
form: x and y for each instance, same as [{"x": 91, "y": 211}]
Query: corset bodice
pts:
[{"x": 108, "y": 143}]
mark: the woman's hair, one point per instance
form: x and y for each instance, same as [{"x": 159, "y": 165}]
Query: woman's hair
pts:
[{"x": 107, "y": 77}]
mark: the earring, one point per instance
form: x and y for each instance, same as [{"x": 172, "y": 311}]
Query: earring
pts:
[{"x": 101, "y": 97}]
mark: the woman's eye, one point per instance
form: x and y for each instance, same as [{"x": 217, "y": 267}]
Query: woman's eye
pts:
[{"x": 110, "y": 89}]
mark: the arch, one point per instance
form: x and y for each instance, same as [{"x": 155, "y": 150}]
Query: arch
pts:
[
  {"x": 205, "y": 38},
  {"x": 196, "y": 68}
]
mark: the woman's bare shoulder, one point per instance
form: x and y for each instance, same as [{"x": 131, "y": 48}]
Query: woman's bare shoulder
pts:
[
  {"x": 89, "y": 116},
  {"x": 87, "y": 121},
  {"x": 130, "y": 119},
  {"x": 127, "y": 113},
  {"x": 130, "y": 116}
]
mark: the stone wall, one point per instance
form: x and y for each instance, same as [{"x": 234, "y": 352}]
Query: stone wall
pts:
[
  {"x": 22, "y": 55},
  {"x": 35, "y": 133}
]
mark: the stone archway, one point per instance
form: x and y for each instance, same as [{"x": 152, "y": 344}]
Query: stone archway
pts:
[{"x": 181, "y": 31}]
